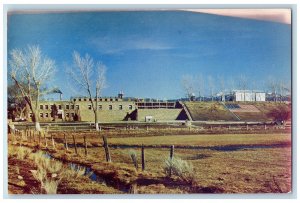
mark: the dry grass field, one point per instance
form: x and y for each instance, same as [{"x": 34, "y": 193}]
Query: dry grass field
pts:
[{"x": 235, "y": 163}]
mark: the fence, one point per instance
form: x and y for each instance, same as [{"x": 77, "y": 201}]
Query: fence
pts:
[
  {"x": 40, "y": 140},
  {"x": 71, "y": 143}
]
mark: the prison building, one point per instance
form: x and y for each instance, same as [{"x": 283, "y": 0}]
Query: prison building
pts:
[
  {"x": 109, "y": 109},
  {"x": 249, "y": 96}
]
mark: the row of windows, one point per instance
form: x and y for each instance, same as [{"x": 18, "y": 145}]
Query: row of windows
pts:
[
  {"x": 46, "y": 115},
  {"x": 100, "y": 99},
  {"x": 110, "y": 107},
  {"x": 59, "y": 106}
]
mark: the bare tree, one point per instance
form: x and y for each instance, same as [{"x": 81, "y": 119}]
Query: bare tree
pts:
[
  {"x": 188, "y": 85},
  {"x": 30, "y": 71},
  {"x": 82, "y": 73},
  {"x": 273, "y": 86},
  {"x": 200, "y": 85},
  {"x": 222, "y": 87},
  {"x": 242, "y": 82},
  {"x": 283, "y": 89},
  {"x": 211, "y": 86}
]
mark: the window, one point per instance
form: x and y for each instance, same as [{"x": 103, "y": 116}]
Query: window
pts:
[
  {"x": 111, "y": 99},
  {"x": 74, "y": 99},
  {"x": 90, "y": 99},
  {"x": 120, "y": 107},
  {"x": 130, "y": 107},
  {"x": 110, "y": 107},
  {"x": 95, "y": 99},
  {"x": 46, "y": 106},
  {"x": 30, "y": 115},
  {"x": 100, "y": 99},
  {"x": 89, "y": 106},
  {"x": 80, "y": 99},
  {"x": 59, "y": 106},
  {"x": 67, "y": 106},
  {"x": 67, "y": 114},
  {"x": 84, "y": 99},
  {"x": 77, "y": 106},
  {"x": 72, "y": 106},
  {"x": 41, "y": 115},
  {"x": 72, "y": 115},
  {"x": 100, "y": 107},
  {"x": 41, "y": 106},
  {"x": 105, "y": 99},
  {"x": 46, "y": 115}
]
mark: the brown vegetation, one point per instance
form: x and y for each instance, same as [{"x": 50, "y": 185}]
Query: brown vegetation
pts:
[{"x": 246, "y": 170}]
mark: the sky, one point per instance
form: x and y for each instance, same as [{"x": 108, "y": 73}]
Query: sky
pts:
[{"x": 147, "y": 52}]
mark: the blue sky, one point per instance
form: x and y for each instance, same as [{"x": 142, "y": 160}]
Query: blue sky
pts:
[{"x": 146, "y": 53}]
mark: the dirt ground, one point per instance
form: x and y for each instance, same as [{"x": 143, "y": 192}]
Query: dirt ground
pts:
[{"x": 264, "y": 169}]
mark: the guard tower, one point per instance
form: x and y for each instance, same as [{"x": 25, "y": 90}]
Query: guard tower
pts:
[
  {"x": 120, "y": 95},
  {"x": 192, "y": 97}
]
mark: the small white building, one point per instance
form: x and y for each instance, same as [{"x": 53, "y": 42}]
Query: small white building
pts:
[{"x": 249, "y": 95}]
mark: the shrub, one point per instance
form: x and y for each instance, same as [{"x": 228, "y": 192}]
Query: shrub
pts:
[
  {"x": 281, "y": 113},
  {"x": 179, "y": 168},
  {"x": 40, "y": 175},
  {"x": 50, "y": 186},
  {"x": 22, "y": 152},
  {"x": 44, "y": 166},
  {"x": 11, "y": 151},
  {"x": 133, "y": 157},
  {"x": 74, "y": 172}
]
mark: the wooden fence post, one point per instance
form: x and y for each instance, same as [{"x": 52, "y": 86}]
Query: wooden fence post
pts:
[
  {"x": 74, "y": 142},
  {"x": 172, "y": 152},
  {"x": 66, "y": 142},
  {"x": 105, "y": 145},
  {"x": 34, "y": 136},
  {"x": 39, "y": 132},
  {"x": 53, "y": 142},
  {"x": 28, "y": 138},
  {"x": 247, "y": 127},
  {"x": 143, "y": 158},
  {"x": 21, "y": 138},
  {"x": 171, "y": 159},
  {"x": 85, "y": 145},
  {"x": 45, "y": 137}
]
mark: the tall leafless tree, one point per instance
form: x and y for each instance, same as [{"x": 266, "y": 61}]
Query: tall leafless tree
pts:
[
  {"x": 273, "y": 86},
  {"x": 30, "y": 71},
  {"x": 82, "y": 74},
  {"x": 222, "y": 87},
  {"x": 211, "y": 86},
  {"x": 187, "y": 82},
  {"x": 243, "y": 84},
  {"x": 200, "y": 85}
]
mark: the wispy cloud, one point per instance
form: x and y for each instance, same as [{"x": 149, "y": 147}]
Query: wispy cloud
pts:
[{"x": 108, "y": 45}]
